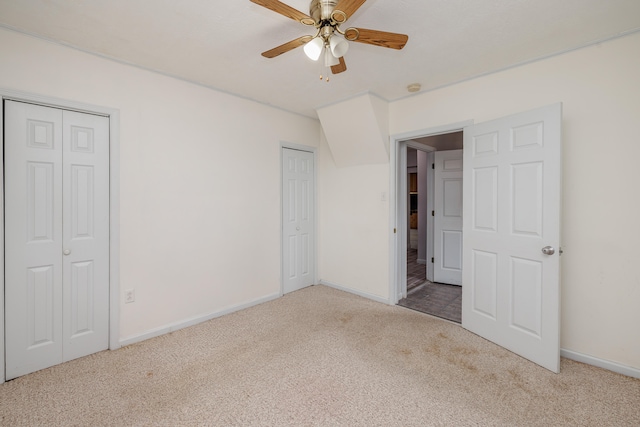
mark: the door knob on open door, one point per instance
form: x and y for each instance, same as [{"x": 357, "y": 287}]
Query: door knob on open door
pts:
[
  {"x": 548, "y": 250},
  {"x": 67, "y": 251}
]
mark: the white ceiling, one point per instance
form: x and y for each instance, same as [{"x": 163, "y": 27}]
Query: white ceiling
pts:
[{"x": 218, "y": 43}]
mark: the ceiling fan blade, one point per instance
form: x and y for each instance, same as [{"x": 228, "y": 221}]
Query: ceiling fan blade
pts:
[
  {"x": 377, "y": 38},
  {"x": 286, "y": 47},
  {"x": 339, "y": 68},
  {"x": 288, "y": 11},
  {"x": 348, "y": 7}
]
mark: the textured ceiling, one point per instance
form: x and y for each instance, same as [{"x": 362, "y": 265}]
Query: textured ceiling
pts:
[{"x": 218, "y": 43}]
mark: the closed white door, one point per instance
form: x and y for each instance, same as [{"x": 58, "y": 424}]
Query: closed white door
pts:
[
  {"x": 511, "y": 270},
  {"x": 447, "y": 239},
  {"x": 56, "y": 236},
  {"x": 298, "y": 219}
]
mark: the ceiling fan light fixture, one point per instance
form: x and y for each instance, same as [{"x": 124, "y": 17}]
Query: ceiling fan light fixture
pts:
[
  {"x": 329, "y": 59},
  {"x": 313, "y": 49},
  {"x": 339, "y": 46}
]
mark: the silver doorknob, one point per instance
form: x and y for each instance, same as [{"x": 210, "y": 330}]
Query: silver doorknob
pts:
[
  {"x": 298, "y": 228},
  {"x": 548, "y": 250},
  {"x": 67, "y": 251}
]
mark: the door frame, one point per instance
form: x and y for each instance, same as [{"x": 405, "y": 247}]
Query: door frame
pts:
[
  {"x": 403, "y": 203},
  {"x": 114, "y": 205},
  {"x": 397, "y": 205},
  {"x": 314, "y": 151}
]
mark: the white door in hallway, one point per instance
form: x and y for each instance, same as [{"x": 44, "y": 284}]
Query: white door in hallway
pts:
[
  {"x": 447, "y": 223},
  {"x": 298, "y": 219},
  {"x": 511, "y": 241},
  {"x": 56, "y": 236}
]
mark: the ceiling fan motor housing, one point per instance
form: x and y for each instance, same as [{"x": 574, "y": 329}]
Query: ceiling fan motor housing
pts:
[{"x": 321, "y": 10}]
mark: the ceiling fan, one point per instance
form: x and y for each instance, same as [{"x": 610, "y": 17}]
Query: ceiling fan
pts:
[{"x": 326, "y": 16}]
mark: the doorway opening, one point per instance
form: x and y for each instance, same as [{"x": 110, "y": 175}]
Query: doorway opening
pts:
[
  {"x": 512, "y": 195},
  {"x": 430, "y": 287}
]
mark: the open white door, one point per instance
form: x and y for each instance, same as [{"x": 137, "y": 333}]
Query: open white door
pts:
[
  {"x": 447, "y": 235},
  {"x": 511, "y": 240}
]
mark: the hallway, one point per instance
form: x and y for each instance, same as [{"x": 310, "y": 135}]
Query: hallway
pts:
[{"x": 436, "y": 299}]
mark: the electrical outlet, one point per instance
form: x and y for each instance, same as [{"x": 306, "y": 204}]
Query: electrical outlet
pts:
[{"x": 129, "y": 296}]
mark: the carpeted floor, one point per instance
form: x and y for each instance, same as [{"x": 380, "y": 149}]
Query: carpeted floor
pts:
[{"x": 318, "y": 357}]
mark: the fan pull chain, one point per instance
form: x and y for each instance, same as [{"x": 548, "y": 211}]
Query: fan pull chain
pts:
[
  {"x": 323, "y": 64},
  {"x": 324, "y": 73},
  {"x": 326, "y": 65}
]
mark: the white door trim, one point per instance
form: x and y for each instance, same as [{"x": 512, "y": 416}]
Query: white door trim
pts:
[
  {"x": 403, "y": 226},
  {"x": 312, "y": 150},
  {"x": 431, "y": 201},
  {"x": 397, "y": 202},
  {"x": 114, "y": 205}
]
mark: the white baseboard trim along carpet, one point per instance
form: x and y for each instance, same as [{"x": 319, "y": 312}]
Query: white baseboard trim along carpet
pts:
[
  {"x": 195, "y": 320},
  {"x": 354, "y": 291},
  {"x": 601, "y": 363}
]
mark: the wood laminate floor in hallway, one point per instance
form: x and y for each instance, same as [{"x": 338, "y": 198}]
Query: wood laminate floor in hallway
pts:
[{"x": 436, "y": 299}]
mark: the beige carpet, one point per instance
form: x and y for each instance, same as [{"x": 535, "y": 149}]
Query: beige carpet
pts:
[{"x": 319, "y": 357}]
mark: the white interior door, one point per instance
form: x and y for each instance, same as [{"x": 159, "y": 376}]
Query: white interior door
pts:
[
  {"x": 56, "y": 236},
  {"x": 447, "y": 263},
  {"x": 511, "y": 292},
  {"x": 298, "y": 219},
  {"x": 33, "y": 238},
  {"x": 85, "y": 237}
]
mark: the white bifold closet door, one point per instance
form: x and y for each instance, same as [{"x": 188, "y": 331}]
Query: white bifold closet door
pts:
[{"x": 56, "y": 236}]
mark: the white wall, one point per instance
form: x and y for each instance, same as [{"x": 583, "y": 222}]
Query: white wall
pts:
[
  {"x": 599, "y": 87},
  {"x": 354, "y": 226},
  {"x": 356, "y": 130},
  {"x": 200, "y": 180}
]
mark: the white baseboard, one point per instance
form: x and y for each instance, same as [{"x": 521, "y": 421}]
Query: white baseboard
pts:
[
  {"x": 194, "y": 320},
  {"x": 422, "y": 261},
  {"x": 354, "y": 291},
  {"x": 601, "y": 363}
]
